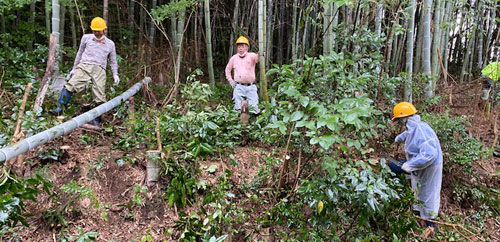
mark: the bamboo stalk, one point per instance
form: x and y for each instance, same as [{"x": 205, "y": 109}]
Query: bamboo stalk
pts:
[
  {"x": 495, "y": 126},
  {"x": 21, "y": 113},
  {"x": 284, "y": 168},
  {"x": 79, "y": 16},
  {"x": 158, "y": 136},
  {"x": 209, "y": 43}
]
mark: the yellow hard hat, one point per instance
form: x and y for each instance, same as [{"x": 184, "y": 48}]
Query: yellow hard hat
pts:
[
  {"x": 98, "y": 24},
  {"x": 242, "y": 40},
  {"x": 403, "y": 109}
]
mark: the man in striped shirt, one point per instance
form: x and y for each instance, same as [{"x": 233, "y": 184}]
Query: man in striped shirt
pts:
[{"x": 90, "y": 65}]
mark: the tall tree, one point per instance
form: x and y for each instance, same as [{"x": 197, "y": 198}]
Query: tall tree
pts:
[
  {"x": 470, "y": 46},
  {"x": 480, "y": 33},
  {"x": 180, "y": 35},
  {"x": 55, "y": 31},
  {"x": 269, "y": 32},
  {"x": 234, "y": 25},
  {"x": 327, "y": 28},
  {"x": 73, "y": 25},
  {"x": 426, "y": 48},
  {"x": 208, "y": 32},
  {"x": 445, "y": 37},
  {"x": 47, "y": 17},
  {"x": 262, "y": 61},
  {"x": 409, "y": 51},
  {"x": 32, "y": 22},
  {"x": 435, "y": 63},
  {"x": 151, "y": 37},
  {"x": 294, "y": 30},
  {"x": 105, "y": 9},
  {"x": 62, "y": 22},
  {"x": 491, "y": 30},
  {"x": 378, "y": 19},
  {"x": 131, "y": 14}
]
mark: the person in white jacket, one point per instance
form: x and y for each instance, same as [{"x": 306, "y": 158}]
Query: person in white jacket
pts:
[{"x": 424, "y": 160}]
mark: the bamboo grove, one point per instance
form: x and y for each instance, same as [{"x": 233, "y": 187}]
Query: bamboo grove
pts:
[{"x": 432, "y": 37}]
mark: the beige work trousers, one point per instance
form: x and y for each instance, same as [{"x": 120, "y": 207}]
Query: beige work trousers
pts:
[{"x": 85, "y": 73}]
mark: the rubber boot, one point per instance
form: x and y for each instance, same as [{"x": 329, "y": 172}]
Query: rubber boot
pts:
[
  {"x": 97, "y": 121},
  {"x": 62, "y": 103}
]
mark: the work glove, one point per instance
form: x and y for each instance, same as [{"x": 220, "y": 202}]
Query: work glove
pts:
[
  {"x": 396, "y": 167},
  {"x": 117, "y": 80},
  {"x": 71, "y": 73},
  {"x": 232, "y": 83}
]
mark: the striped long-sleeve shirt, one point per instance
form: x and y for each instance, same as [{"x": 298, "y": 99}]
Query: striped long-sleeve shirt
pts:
[{"x": 96, "y": 52}]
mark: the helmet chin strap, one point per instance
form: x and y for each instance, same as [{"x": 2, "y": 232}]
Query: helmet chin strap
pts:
[
  {"x": 100, "y": 38},
  {"x": 243, "y": 55}
]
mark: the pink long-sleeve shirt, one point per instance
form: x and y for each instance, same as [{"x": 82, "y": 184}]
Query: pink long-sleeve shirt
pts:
[{"x": 244, "y": 68}]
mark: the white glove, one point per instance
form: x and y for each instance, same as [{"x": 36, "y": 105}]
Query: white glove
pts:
[
  {"x": 71, "y": 73},
  {"x": 117, "y": 80},
  {"x": 232, "y": 83}
]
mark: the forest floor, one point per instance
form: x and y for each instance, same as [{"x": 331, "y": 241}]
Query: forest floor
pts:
[{"x": 94, "y": 165}]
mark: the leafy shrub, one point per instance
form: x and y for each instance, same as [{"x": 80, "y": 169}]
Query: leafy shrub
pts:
[
  {"x": 455, "y": 141},
  {"x": 348, "y": 203},
  {"x": 343, "y": 117},
  {"x": 74, "y": 192},
  {"x": 14, "y": 192}
]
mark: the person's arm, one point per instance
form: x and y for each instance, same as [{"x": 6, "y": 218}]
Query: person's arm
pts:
[
  {"x": 114, "y": 64},
  {"x": 112, "y": 61},
  {"x": 428, "y": 153},
  {"x": 401, "y": 138},
  {"x": 256, "y": 58},
  {"x": 81, "y": 49},
  {"x": 229, "y": 68}
]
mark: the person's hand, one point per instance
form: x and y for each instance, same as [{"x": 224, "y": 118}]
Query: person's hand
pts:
[
  {"x": 399, "y": 139},
  {"x": 71, "y": 73},
  {"x": 117, "y": 80},
  {"x": 232, "y": 83}
]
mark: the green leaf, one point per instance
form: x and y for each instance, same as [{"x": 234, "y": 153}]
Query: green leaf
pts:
[
  {"x": 304, "y": 101},
  {"x": 292, "y": 92},
  {"x": 282, "y": 128},
  {"x": 301, "y": 123},
  {"x": 314, "y": 141},
  {"x": 332, "y": 123},
  {"x": 350, "y": 117},
  {"x": 310, "y": 124},
  {"x": 297, "y": 115},
  {"x": 321, "y": 122},
  {"x": 361, "y": 187},
  {"x": 326, "y": 141},
  {"x": 212, "y": 168},
  {"x": 211, "y": 125},
  {"x": 272, "y": 71}
]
